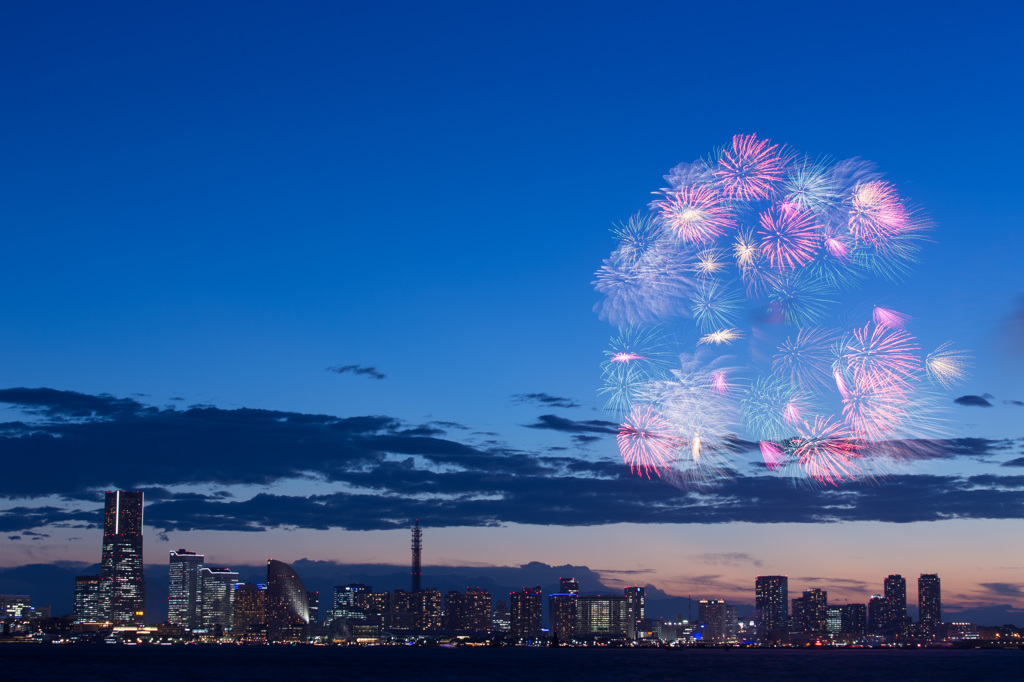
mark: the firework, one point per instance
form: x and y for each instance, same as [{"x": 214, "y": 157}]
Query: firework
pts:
[
  {"x": 876, "y": 212},
  {"x": 880, "y": 355},
  {"x": 714, "y": 306},
  {"x": 806, "y": 359},
  {"x": 756, "y": 228},
  {"x": 789, "y": 237},
  {"x": 947, "y": 365},
  {"x": 696, "y": 214},
  {"x": 827, "y": 451},
  {"x": 722, "y": 336},
  {"x": 750, "y": 169},
  {"x": 884, "y": 317},
  {"x": 646, "y": 441}
]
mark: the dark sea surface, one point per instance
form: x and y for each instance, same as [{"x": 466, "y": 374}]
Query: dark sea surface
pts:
[{"x": 314, "y": 664}]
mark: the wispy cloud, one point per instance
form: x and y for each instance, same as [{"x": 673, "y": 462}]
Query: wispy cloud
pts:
[
  {"x": 545, "y": 399},
  {"x": 358, "y": 369}
]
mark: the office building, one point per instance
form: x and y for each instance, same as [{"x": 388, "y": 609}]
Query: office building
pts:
[
  {"x": 878, "y": 614},
  {"x": 810, "y": 612},
  {"x": 501, "y": 619},
  {"x": 455, "y": 611},
  {"x": 636, "y": 610},
  {"x": 562, "y": 615},
  {"x": 184, "y": 589},
  {"x": 428, "y": 607},
  {"x": 217, "y": 605},
  {"x": 250, "y": 611},
  {"x": 287, "y": 602},
  {"x": 87, "y": 599},
  {"x": 350, "y": 601},
  {"x": 568, "y": 586},
  {"x": 771, "y": 607},
  {"x": 895, "y": 588},
  {"x": 711, "y": 616},
  {"x": 122, "y": 579},
  {"x": 15, "y": 605},
  {"x": 833, "y": 620},
  {"x": 853, "y": 619},
  {"x": 314, "y": 607},
  {"x": 478, "y": 609},
  {"x": 525, "y": 611},
  {"x": 929, "y": 602},
  {"x": 601, "y": 617}
]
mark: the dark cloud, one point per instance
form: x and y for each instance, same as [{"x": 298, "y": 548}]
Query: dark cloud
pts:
[
  {"x": 1019, "y": 462},
  {"x": 388, "y": 473},
  {"x": 1018, "y": 403},
  {"x": 545, "y": 399},
  {"x": 973, "y": 401},
  {"x": 554, "y": 423},
  {"x": 358, "y": 369},
  {"x": 583, "y": 439},
  {"x": 1005, "y": 589},
  {"x": 13, "y": 537}
]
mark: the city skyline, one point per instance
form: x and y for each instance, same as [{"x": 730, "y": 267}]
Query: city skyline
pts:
[{"x": 306, "y": 275}]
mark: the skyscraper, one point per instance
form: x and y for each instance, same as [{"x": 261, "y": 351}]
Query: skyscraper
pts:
[
  {"x": 428, "y": 607},
  {"x": 711, "y": 615},
  {"x": 562, "y": 614},
  {"x": 525, "y": 613},
  {"x": 287, "y": 601},
  {"x": 598, "y": 616},
  {"x": 636, "y": 609},
  {"x": 929, "y": 602},
  {"x": 478, "y": 609},
  {"x": 250, "y": 621},
  {"x": 184, "y": 589},
  {"x": 878, "y": 613},
  {"x": 218, "y": 599},
  {"x": 417, "y": 554},
  {"x": 771, "y": 604},
  {"x": 810, "y": 612},
  {"x": 122, "y": 580},
  {"x": 87, "y": 599},
  {"x": 896, "y": 596}
]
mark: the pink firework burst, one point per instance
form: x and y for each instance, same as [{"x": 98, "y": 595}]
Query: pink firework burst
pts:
[
  {"x": 884, "y": 317},
  {"x": 719, "y": 383},
  {"x": 877, "y": 214},
  {"x": 696, "y": 213},
  {"x": 827, "y": 451},
  {"x": 881, "y": 355},
  {"x": 646, "y": 441},
  {"x": 773, "y": 455},
  {"x": 789, "y": 237},
  {"x": 751, "y": 169},
  {"x": 874, "y": 410}
]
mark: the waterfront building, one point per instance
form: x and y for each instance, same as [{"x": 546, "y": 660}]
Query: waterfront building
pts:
[
  {"x": 350, "y": 601},
  {"x": 833, "y": 620},
  {"x": 218, "y": 599},
  {"x": 810, "y": 612},
  {"x": 455, "y": 610},
  {"x": 599, "y": 616},
  {"x": 184, "y": 589},
  {"x": 711, "y": 616},
  {"x": 636, "y": 610},
  {"x": 562, "y": 615},
  {"x": 250, "y": 610},
  {"x": 525, "y": 613},
  {"x": 929, "y": 602},
  {"x": 895, "y": 588},
  {"x": 15, "y": 605},
  {"x": 771, "y": 607},
  {"x": 853, "y": 619},
  {"x": 428, "y": 607},
  {"x": 314, "y": 607},
  {"x": 122, "y": 578},
  {"x": 478, "y": 609},
  {"x": 501, "y": 619},
  {"x": 287, "y": 602},
  {"x": 87, "y": 599},
  {"x": 878, "y": 613}
]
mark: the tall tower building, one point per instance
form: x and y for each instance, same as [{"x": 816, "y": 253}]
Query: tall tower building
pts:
[
  {"x": 218, "y": 599},
  {"x": 122, "y": 580},
  {"x": 636, "y": 610},
  {"x": 878, "y": 613},
  {"x": 184, "y": 591},
  {"x": 929, "y": 602},
  {"x": 525, "y": 613},
  {"x": 287, "y": 601},
  {"x": 810, "y": 612},
  {"x": 771, "y": 604},
  {"x": 417, "y": 553},
  {"x": 711, "y": 615},
  {"x": 563, "y": 614},
  {"x": 896, "y": 595},
  {"x": 250, "y": 611},
  {"x": 478, "y": 609}
]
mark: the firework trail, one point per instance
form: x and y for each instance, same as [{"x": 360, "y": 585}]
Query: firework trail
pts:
[{"x": 757, "y": 251}]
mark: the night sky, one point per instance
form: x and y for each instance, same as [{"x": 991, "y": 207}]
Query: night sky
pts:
[{"x": 307, "y": 273}]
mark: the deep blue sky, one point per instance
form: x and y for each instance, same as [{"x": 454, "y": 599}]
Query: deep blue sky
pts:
[{"x": 212, "y": 204}]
